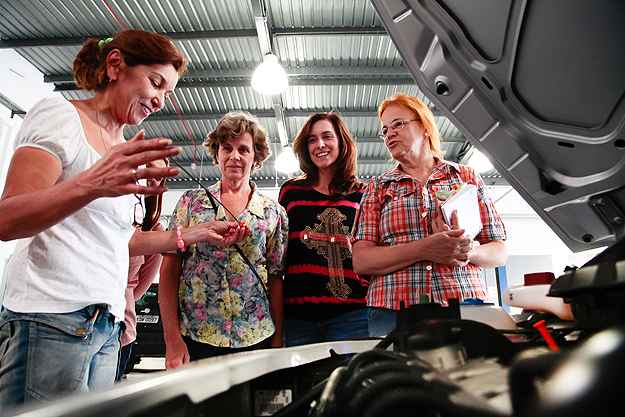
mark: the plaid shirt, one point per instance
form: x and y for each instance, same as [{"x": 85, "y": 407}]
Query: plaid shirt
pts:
[{"x": 397, "y": 209}]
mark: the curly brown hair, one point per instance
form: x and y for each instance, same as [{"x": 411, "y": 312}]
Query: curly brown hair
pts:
[
  {"x": 345, "y": 179},
  {"x": 233, "y": 125},
  {"x": 138, "y": 47}
]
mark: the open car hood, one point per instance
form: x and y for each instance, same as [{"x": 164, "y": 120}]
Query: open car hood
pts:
[{"x": 538, "y": 87}]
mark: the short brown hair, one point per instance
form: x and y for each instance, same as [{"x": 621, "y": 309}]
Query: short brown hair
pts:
[
  {"x": 138, "y": 47},
  {"x": 233, "y": 125},
  {"x": 344, "y": 179},
  {"x": 426, "y": 118}
]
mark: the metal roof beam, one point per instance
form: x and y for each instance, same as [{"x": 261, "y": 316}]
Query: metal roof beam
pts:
[
  {"x": 9, "y": 104},
  {"x": 377, "y": 80},
  {"x": 79, "y": 40},
  {"x": 160, "y": 117},
  {"x": 294, "y": 73},
  {"x": 263, "y": 26},
  {"x": 369, "y": 30},
  {"x": 163, "y": 117},
  {"x": 201, "y": 34}
]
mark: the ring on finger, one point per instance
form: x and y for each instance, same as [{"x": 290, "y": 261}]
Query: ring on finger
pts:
[{"x": 134, "y": 174}]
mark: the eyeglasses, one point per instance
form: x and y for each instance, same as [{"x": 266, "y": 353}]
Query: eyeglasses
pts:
[
  {"x": 395, "y": 125},
  {"x": 139, "y": 212}
]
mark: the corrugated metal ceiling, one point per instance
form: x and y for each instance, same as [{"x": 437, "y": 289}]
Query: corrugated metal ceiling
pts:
[{"x": 336, "y": 52}]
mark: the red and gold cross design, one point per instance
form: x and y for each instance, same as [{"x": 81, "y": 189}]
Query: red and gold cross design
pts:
[{"x": 330, "y": 239}]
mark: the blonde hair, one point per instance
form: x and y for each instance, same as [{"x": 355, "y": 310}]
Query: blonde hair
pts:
[{"x": 426, "y": 118}]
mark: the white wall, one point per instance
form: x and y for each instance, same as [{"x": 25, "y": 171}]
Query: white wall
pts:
[
  {"x": 532, "y": 245},
  {"x": 20, "y": 81},
  {"x": 23, "y": 84},
  {"x": 8, "y": 128}
]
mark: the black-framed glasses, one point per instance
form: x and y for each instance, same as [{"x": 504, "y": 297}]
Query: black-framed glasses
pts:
[
  {"x": 396, "y": 125},
  {"x": 139, "y": 211}
]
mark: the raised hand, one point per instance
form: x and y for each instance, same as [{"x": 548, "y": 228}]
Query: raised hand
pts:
[{"x": 117, "y": 173}]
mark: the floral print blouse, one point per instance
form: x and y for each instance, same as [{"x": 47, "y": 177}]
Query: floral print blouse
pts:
[{"x": 221, "y": 301}]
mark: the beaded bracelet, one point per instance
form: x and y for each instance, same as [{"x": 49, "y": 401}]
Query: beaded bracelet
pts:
[{"x": 179, "y": 241}]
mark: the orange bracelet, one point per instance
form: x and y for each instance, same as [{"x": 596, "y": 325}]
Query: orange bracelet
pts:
[{"x": 179, "y": 241}]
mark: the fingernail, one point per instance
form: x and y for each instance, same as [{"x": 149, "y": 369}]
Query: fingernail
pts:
[{"x": 165, "y": 142}]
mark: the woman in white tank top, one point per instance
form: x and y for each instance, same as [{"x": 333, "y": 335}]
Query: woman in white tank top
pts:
[{"x": 64, "y": 300}]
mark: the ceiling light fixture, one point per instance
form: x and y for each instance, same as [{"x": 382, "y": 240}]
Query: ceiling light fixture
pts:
[
  {"x": 269, "y": 77},
  {"x": 286, "y": 162},
  {"x": 480, "y": 162}
]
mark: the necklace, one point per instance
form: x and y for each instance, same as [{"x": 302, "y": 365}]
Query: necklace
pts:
[{"x": 97, "y": 119}]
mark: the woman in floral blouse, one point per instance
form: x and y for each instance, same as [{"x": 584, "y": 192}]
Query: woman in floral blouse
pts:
[{"x": 211, "y": 302}]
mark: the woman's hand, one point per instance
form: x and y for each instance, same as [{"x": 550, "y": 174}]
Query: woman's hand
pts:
[
  {"x": 459, "y": 258},
  {"x": 449, "y": 247},
  {"x": 236, "y": 233},
  {"x": 439, "y": 224},
  {"x": 159, "y": 163},
  {"x": 176, "y": 353},
  {"x": 216, "y": 233},
  {"x": 117, "y": 173}
]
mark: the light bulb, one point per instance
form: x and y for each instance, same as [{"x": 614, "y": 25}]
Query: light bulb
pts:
[
  {"x": 286, "y": 162},
  {"x": 269, "y": 77},
  {"x": 480, "y": 162}
]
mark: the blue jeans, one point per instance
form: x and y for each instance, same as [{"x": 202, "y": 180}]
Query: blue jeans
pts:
[
  {"x": 122, "y": 364},
  {"x": 382, "y": 321},
  {"x": 44, "y": 356},
  {"x": 351, "y": 325},
  {"x": 199, "y": 350}
]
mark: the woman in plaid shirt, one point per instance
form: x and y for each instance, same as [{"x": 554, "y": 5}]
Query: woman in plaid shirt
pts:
[{"x": 400, "y": 240}]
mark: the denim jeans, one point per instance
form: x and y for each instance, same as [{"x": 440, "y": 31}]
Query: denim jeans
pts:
[
  {"x": 382, "y": 321},
  {"x": 44, "y": 356},
  {"x": 124, "y": 355},
  {"x": 351, "y": 325}
]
